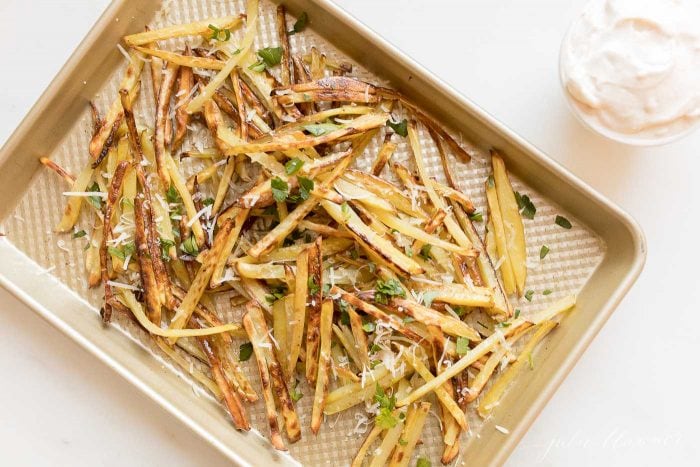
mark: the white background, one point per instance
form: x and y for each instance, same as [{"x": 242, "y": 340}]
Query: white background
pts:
[{"x": 632, "y": 399}]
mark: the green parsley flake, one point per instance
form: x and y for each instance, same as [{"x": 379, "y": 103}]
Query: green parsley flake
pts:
[
  {"x": 547, "y": 292},
  {"x": 165, "y": 246},
  {"x": 300, "y": 24},
  {"x": 293, "y": 165},
  {"x": 245, "y": 351},
  {"x": 306, "y": 185},
  {"x": 476, "y": 216},
  {"x": 400, "y": 128},
  {"x": 208, "y": 201},
  {"x": 529, "y": 294},
  {"x": 423, "y": 462},
  {"x": 189, "y": 246},
  {"x": 79, "y": 234},
  {"x": 96, "y": 201},
  {"x": 562, "y": 222},
  {"x": 527, "y": 209},
  {"x": 385, "y": 289},
  {"x": 217, "y": 33},
  {"x": 425, "y": 251},
  {"x": 543, "y": 251},
  {"x": 462, "y": 345},
  {"x": 269, "y": 57},
  {"x": 280, "y": 189},
  {"x": 369, "y": 327}
]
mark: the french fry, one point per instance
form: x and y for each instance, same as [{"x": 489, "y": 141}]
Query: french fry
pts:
[
  {"x": 456, "y": 294},
  {"x": 494, "y": 394},
  {"x": 301, "y": 291},
  {"x": 383, "y": 156},
  {"x": 501, "y": 241},
  {"x": 360, "y": 337},
  {"x": 281, "y": 26},
  {"x": 180, "y": 30},
  {"x": 184, "y": 95},
  {"x": 314, "y": 309},
  {"x": 428, "y": 316},
  {"x": 188, "y": 61},
  {"x": 512, "y": 223},
  {"x": 391, "y": 439},
  {"x": 415, "y": 419},
  {"x": 359, "y": 458},
  {"x": 324, "y": 364},
  {"x": 251, "y": 30},
  {"x": 60, "y": 171},
  {"x": 442, "y": 394}
]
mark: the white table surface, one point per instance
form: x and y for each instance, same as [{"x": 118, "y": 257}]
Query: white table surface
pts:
[{"x": 631, "y": 400}]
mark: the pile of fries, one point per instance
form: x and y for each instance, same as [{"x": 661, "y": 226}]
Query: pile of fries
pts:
[{"x": 364, "y": 284}]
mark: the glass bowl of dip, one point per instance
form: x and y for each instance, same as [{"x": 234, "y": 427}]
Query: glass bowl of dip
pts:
[{"x": 630, "y": 69}]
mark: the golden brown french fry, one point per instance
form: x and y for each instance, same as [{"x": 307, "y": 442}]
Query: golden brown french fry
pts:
[
  {"x": 360, "y": 337},
  {"x": 315, "y": 301},
  {"x": 283, "y": 39},
  {"x": 501, "y": 241},
  {"x": 456, "y": 294},
  {"x": 442, "y": 394},
  {"x": 259, "y": 339},
  {"x": 301, "y": 291},
  {"x": 383, "y": 156},
  {"x": 184, "y": 95},
  {"x": 180, "y": 30},
  {"x": 415, "y": 419},
  {"x": 188, "y": 61},
  {"x": 71, "y": 213},
  {"x": 60, "y": 171},
  {"x": 324, "y": 363},
  {"x": 359, "y": 458},
  {"x": 494, "y": 394},
  {"x": 390, "y": 441},
  {"x": 428, "y": 316},
  {"x": 512, "y": 222},
  {"x": 359, "y": 125}
]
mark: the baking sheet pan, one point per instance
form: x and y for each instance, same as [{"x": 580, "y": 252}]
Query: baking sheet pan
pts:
[{"x": 598, "y": 259}]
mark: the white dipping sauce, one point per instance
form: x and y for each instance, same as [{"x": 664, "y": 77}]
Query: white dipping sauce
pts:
[{"x": 632, "y": 67}]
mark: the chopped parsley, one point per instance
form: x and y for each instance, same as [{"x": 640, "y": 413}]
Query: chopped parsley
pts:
[
  {"x": 268, "y": 57},
  {"x": 547, "y": 292},
  {"x": 293, "y": 165},
  {"x": 96, "y": 201},
  {"x": 529, "y": 294},
  {"x": 425, "y": 251},
  {"x": 275, "y": 294},
  {"x": 384, "y": 419},
  {"x": 172, "y": 195},
  {"x": 79, "y": 234},
  {"x": 517, "y": 314},
  {"x": 385, "y": 289},
  {"x": 369, "y": 326},
  {"x": 562, "y": 222},
  {"x": 280, "y": 189},
  {"x": 345, "y": 318},
  {"x": 476, "y": 216},
  {"x": 423, "y": 462},
  {"x": 313, "y": 287},
  {"x": 527, "y": 209},
  {"x": 217, "y": 33},
  {"x": 165, "y": 246},
  {"x": 428, "y": 297},
  {"x": 245, "y": 351},
  {"x": 462, "y": 345},
  {"x": 189, "y": 246},
  {"x": 400, "y": 128},
  {"x": 403, "y": 442},
  {"x": 299, "y": 24},
  {"x": 306, "y": 185},
  {"x": 296, "y": 394},
  {"x": 208, "y": 201},
  {"x": 543, "y": 251},
  {"x": 320, "y": 129},
  {"x": 345, "y": 209},
  {"x": 123, "y": 252}
]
